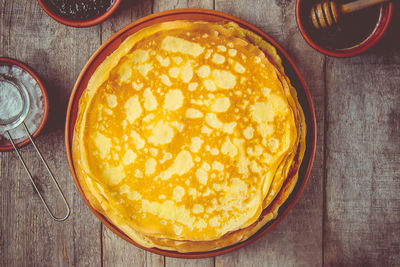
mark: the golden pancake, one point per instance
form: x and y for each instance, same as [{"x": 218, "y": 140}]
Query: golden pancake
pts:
[{"x": 189, "y": 136}]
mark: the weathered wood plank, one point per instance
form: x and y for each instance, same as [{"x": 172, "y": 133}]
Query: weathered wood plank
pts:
[
  {"x": 161, "y": 5},
  {"x": 116, "y": 251},
  {"x": 29, "y": 237},
  {"x": 363, "y": 157},
  {"x": 297, "y": 240}
]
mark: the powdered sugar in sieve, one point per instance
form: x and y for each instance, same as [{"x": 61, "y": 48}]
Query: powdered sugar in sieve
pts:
[{"x": 11, "y": 103}]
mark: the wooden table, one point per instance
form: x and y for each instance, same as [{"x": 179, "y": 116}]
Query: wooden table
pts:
[{"x": 349, "y": 213}]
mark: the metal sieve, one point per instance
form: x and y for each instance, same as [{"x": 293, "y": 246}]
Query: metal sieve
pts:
[{"x": 7, "y": 124}]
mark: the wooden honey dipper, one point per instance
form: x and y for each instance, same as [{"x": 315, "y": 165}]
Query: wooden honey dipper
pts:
[{"x": 327, "y": 13}]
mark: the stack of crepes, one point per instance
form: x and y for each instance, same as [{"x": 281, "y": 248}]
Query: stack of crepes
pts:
[{"x": 189, "y": 136}]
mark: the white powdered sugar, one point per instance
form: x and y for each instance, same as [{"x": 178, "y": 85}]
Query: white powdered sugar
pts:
[{"x": 11, "y": 103}]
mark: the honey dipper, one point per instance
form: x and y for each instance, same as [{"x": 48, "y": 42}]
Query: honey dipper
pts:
[{"x": 327, "y": 13}]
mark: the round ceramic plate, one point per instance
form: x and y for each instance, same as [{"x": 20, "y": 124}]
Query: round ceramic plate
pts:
[{"x": 211, "y": 16}]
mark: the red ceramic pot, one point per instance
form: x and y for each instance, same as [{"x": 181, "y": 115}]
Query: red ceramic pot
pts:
[
  {"x": 6, "y": 146},
  {"x": 379, "y": 23},
  {"x": 80, "y": 23}
]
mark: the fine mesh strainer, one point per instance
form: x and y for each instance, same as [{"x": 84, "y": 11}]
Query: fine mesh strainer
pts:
[{"x": 12, "y": 122}]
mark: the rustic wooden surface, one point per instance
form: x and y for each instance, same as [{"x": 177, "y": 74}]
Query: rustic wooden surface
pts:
[{"x": 348, "y": 215}]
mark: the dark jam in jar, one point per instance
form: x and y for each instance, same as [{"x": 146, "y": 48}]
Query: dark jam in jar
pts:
[
  {"x": 351, "y": 30},
  {"x": 79, "y": 9}
]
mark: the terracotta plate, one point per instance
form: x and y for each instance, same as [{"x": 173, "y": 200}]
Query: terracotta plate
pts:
[
  {"x": 80, "y": 23},
  {"x": 6, "y": 144},
  {"x": 211, "y": 16}
]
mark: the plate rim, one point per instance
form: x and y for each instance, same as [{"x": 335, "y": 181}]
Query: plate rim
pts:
[{"x": 210, "y": 14}]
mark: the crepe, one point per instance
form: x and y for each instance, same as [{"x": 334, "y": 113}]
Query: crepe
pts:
[{"x": 189, "y": 136}]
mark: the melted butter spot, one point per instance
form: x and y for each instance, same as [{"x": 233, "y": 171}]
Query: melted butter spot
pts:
[
  {"x": 174, "y": 72},
  {"x": 173, "y": 99},
  {"x": 139, "y": 56},
  {"x": 178, "y": 193},
  {"x": 177, "y": 60},
  {"x": 221, "y": 104},
  {"x": 176, "y": 44},
  {"x": 167, "y": 156},
  {"x": 132, "y": 195},
  {"x": 133, "y": 110},
  {"x": 114, "y": 175},
  {"x": 254, "y": 167},
  {"x": 218, "y": 58},
  {"x": 197, "y": 208},
  {"x": 165, "y": 80},
  {"x": 192, "y": 86},
  {"x": 214, "y": 151},
  {"x": 243, "y": 162},
  {"x": 182, "y": 164},
  {"x": 103, "y": 144},
  {"x": 209, "y": 85},
  {"x": 192, "y": 113},
  {"x": 150, "y": 101},
  {"x": 137, "y": 86},
  {"x": 162, "y": 134},
  {"x": 214, "y": 221},
  {"x": 218, "y": 166},
  {"x": 266, "y": 91},
  {"x": 248, "y": 132},
  {"x": 239, "y": 68},
  {"x": 144, "y": 68},
  {"x": 196, "y": 144},
  {"x": 192, "y": 192},
  {"x": 204, "y": 71},
  {"x": 224, "y": 79},
  {"x": 150, "y": 166},
  {"x": 163, "y": 61},
  {"x": 138, "y": 174},
  {"x": 200, "y": 224},
  {"x": 214, "y": 122},
  {"x": 221, "y": 48},
  {"x": 111, "y": 101},
  {"x": 265, "y": 129},
  {"x": 187, "y": 73},
  {"x": 129, "y": 157},
  {"x": 125, "y": 72},
  {"x": 208, "y": 53},
  {"x": 179, "y": 126},
  {"x": 206, "y": 130},
  {"x": 232, "y": 52},
  {"x": 153, "y": 152},
  {"x": 138, "y": 140},
  {"x": 273, "y": 144},
  {"x": 206, "y": 166},
  {"x": 263, "y": 112},
  {"x": 202, "y": 176},
  {"x": 149, "y": 117}
]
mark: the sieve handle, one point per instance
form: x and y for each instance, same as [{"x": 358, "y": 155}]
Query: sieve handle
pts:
[{"x": 59, "y": 219}]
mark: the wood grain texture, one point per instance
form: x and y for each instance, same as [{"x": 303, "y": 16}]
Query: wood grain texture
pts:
[
  {"x": 363, "y": 157},
  {"x": 297, "y": 240},
  {"x": 29, "y": 237}
]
